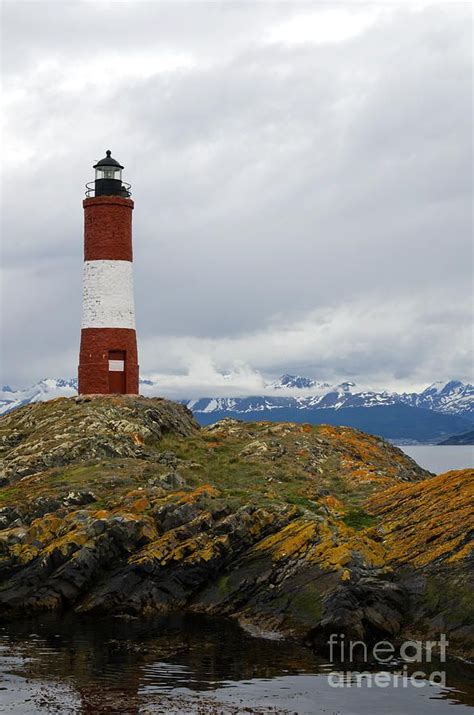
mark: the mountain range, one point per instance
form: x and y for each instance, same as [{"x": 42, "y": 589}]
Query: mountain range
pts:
[
  {"x": 437, "y": 412},
  {"x": 452, "y": 397}
]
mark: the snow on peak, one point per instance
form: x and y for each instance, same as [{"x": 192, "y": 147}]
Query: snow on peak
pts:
[
  {"x": 449, "y": 397},
  {"x": 444, "y": 387},
  {"x": 297, "y": 381},
  {"x": 292, "y": 381},
  {"x": 46, "y": 389}
]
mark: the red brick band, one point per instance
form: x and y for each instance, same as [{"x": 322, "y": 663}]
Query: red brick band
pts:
[
  {"x": 94, "y": 374},
  {"x": 108, "y": 228}
]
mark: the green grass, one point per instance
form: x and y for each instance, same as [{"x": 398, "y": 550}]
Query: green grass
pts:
[
  {"x": 285, "y": 474},
  {"x": 7, "y": 495},
  {"x": 303, "y": 502},
  {"x": 357, "y": 518}
]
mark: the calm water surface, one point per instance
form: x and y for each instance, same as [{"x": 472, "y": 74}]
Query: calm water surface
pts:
[
  {"x": 190, "y": 664},
  {"x": 439, "y": 458}
]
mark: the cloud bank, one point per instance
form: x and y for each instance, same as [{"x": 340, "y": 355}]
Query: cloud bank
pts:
[{"x": 302, "y": 178}]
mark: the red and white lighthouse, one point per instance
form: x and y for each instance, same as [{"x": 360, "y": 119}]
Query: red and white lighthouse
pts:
[{"x": 108, "y": 360}]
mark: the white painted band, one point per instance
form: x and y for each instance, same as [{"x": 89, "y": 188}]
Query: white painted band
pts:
[{"x": 107, "y": 296}]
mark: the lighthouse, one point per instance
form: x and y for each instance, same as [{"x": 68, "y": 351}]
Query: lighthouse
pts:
[{"x": 108, "y": 359}]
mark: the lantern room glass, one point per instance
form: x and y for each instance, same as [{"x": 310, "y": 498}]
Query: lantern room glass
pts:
[{"x": 108, "y": 172}]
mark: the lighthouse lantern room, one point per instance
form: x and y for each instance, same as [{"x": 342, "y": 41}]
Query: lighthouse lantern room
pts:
[
  {"x": 108, "y": 176},
  {"x": 108, "y": 361}
]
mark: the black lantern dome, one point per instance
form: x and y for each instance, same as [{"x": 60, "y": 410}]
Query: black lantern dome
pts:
[
  {"x": 108, "y": 178},
  {"x": 108, "y": 161}
]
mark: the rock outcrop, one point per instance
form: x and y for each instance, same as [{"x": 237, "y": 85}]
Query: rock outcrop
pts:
[
  {"x": 428, "y": 530},
  {"x": 65, "y": 431},
  {"x": 124, "y": 505}
]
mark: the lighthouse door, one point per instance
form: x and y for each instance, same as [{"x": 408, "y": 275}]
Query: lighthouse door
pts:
[{"x": 117, "y": 372}]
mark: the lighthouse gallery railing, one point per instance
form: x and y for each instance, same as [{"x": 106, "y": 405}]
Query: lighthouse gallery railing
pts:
[{"x": 125, "y": 192}]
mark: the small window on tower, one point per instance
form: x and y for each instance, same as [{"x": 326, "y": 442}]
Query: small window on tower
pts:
[{"x": 116, "y": 360}]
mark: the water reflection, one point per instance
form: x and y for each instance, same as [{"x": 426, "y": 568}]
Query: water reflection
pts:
[{"x": 185, "y": 662}]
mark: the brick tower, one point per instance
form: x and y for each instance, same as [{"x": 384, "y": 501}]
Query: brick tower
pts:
[{"x": 108, "y": 360}]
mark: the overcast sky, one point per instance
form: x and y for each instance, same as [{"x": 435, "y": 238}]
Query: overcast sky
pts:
[{"x": 302, "y": 183}]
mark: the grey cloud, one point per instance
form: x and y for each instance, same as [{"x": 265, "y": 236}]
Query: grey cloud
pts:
[{"x": 270, "y": 182}]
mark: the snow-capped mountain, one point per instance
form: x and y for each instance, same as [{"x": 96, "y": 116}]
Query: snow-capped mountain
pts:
[
  {"x": 42, "y": 391},
  {"x": 441, "y": 410},
  {"x": 290, "y": 381},
  {"x": 302, "y": 393},
  {"x": 451, "y": 397},
  {"x": 424, "y": 417}
]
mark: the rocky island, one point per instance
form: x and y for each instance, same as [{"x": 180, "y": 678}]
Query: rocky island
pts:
[{"x": 125, "y": 506}]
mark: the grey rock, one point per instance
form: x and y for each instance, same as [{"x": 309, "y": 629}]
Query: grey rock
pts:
[
  {"x": 169, "y": 480},
  {"x": 79, "y": 498},
  {"x": 8, "y": 515}
]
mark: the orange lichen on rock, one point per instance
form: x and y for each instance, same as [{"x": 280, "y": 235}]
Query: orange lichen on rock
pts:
[
  {"x": 135, "y": 493},
  {"x": 330, "y": 545},
  {"x": 101, "y": 514},
  {"x": 44, "y": 529},
  {"x": 178, "y": 546},
  {"x": 339, "y": 543},
  {"x": 141, "y": 504},
  {"x": 28, "y": 545},
  {"x": 263, "y": 519},
  {"x": 205, "y": 490},
  {"x": 367, "y": 473},
  {"x": 333, "y": 504},
  {"x": 171, "y": 548},
  {"x": 364, "y": 446},
  {"x": 68, "y": 543},
  {"x": 426, "y": 522},
  {"x": 294, "y": 539}
]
